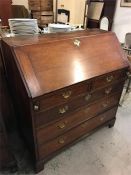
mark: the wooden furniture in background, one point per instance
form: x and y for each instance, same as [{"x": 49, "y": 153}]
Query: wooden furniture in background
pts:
[
  {"x": 42, "y": 10},
  {"x": 5, "y": 11},
  {"x": 19, "y": 11},
  {"x": 108, "y": 11},
  {"x": 60, "y": 91}
]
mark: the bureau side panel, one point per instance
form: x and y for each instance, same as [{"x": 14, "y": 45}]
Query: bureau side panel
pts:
[{"x": 20, "y": 98}]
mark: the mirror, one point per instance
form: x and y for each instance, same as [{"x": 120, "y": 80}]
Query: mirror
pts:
[
  {"x": 125, "y": 3},
  {"x": 104, "y": 23}
]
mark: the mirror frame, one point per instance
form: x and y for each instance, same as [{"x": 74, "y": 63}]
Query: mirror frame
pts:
[{"x": 125, "y": 4}]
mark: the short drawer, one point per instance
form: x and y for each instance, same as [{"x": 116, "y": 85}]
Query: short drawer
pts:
[
  {"x": 61, "y": 96},
  {"x": 46, "y": 19},
  {"x": 75, "y": 119},
  {"x": 50, "y": 147},
  {"x": 108, "y": 79},
  {"x": 44, "y": 5},
  {"x": 60, "y": 111}
]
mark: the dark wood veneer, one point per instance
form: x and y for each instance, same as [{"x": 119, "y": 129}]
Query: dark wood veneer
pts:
[{"x": 56, "y": 83}]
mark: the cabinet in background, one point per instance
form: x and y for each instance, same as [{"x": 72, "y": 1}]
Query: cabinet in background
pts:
[
  {"x": 42, "y": 10},
  {"x": 5, "y": 11}
]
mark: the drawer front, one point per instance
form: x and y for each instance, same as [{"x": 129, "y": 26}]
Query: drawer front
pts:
[
  {"x": 44, "y": 117},
  {"x": 62, "y": 96},
  {"x": 75, "y": 119},
  {"x": 108, "y": 79},
  {"x": 47, "y": 5},
  {"x": 41, "y": 5},
  {"x": 50, "y": 147},
  {"x": 47, "y": 19}
]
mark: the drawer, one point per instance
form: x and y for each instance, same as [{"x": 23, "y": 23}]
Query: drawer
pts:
[
  {"x": 50, "y": 147},
  {"x": 62, "y": 96},
  {"x": 46, "y": 19},
  {"x": 108, "y": 79},
  {"x": 66, "y": 108},
  {"x": 75, "y": 119},
  {"x": 46, "y": 5}
]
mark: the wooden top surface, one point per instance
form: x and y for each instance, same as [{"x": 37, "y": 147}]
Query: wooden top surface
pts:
[
  {"x": 39, "y": 39},
  {"x": 54, "y": 64}
]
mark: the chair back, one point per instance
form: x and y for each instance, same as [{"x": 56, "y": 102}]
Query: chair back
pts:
[
  {"x": 128, "y": 40},
  {"x": 63, "y": 16}
]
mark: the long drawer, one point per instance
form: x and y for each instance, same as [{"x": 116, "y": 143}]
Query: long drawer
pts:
[
  {"x": 66, "y": 108},
  {"x": 75, "y": 118},
  {"x": 69, "y": 93},
  {"x": 50, "y": 147}
]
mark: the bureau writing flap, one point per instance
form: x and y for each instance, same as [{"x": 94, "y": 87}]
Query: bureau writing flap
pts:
[{"x": 54, "y": 64}]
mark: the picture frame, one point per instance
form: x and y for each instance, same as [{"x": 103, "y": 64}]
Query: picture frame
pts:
[{"x": 125, "y": 3}]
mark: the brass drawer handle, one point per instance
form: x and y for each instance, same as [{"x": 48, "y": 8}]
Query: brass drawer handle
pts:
[
  {"x": 77, "y": 43},
  {"x": 129, "y": 74},
  {"x": 102, "y": 119},
  {"x": 67, "y": 94},
  {"x": 108, "y": 90},
  {"x": 63, "y": 110},
  {"x": 36, "y": 106},
  {"x": 87, "y": 97},
  {"x": 61, "y": 141},
  {"x": 62, "y": 125},
  {"x": 87, "y": 110},
  {"x": 84, "y": 125},
  {"x": 109, "y": 78},
  {"x": 105, "y": 105}
]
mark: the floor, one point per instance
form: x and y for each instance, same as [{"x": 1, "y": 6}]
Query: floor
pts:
[{"x": 106, "y": 152}]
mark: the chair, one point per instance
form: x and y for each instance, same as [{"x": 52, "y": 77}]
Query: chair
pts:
[
  {"x": 105, "y": 23},
  {"x": 127, "y": 48},
  {"x": 19, "y": 11},
  {"x": 127, "y": 43},
  {"x": 63, "y": 16}
]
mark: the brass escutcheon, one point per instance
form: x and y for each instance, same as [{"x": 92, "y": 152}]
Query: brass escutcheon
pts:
[
  {"x": 63, "y": 110},
  {"x": 66, "y": 94},
  {"x": 108, "y": 90},
  {"x": 36, "y": 107},
  {"x": 84, "y": 125},
  {"x": 77, "y": 43},
  {"x": 129, "y": 74},
  {"x": 61, "y": 126},
  {"x": 87, "y": 97},
  {"x": 109, "y": 78},
  {"x": 105, "y": 105},
  {"x": 61, "y": 141},
  {"x": 102, "y": 118}
]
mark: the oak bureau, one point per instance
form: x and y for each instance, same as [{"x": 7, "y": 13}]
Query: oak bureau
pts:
[{"x": 64, "y": 87}]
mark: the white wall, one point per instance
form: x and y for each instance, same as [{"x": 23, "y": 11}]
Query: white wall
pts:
[
  {"x": 122, "y": 21},
  {"x": 76, "y": 8},
  {"x": 79, "y": 11}
]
